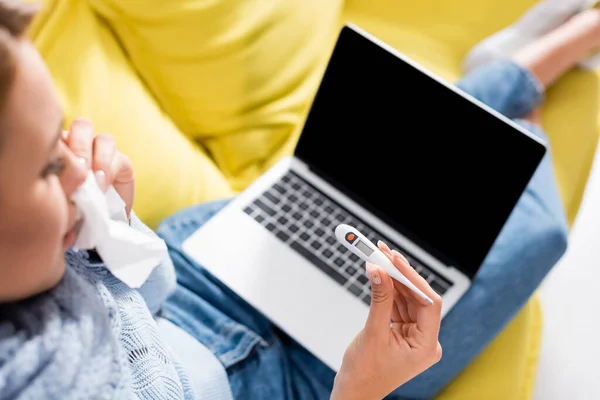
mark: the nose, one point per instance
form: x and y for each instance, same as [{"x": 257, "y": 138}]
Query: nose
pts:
[{"x": 74, "y": 174}]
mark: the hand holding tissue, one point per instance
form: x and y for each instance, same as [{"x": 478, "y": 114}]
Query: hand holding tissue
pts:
[{"x": 130, "y": 255}]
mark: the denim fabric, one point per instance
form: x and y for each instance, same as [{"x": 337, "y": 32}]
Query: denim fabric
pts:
[
  {"x": 264, "y": 363},
  {"x": 505, "y": 87}
]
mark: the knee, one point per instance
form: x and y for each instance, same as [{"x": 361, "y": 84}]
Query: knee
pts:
[
  {"x": 534, "y": 240},
  {"x": 561, "y": 237},
  {"x": 554, "y": 237}
]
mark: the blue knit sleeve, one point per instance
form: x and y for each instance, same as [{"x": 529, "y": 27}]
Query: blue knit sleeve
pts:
[{"x": 162, "y": 281}]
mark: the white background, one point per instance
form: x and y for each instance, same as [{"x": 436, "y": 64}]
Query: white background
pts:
[{"x": 569, "y": 366}]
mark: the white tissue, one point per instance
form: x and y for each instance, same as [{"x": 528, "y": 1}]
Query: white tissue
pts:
[{"x": 130, "y": 255}]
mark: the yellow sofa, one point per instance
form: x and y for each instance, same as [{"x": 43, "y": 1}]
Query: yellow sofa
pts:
[{"x": 204, "y": 95}]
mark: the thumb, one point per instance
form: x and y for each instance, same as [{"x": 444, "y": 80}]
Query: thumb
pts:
[{"x": 382, "y": 300}]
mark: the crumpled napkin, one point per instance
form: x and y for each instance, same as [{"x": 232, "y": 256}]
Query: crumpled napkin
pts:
[{"x": 130, "y": 255}]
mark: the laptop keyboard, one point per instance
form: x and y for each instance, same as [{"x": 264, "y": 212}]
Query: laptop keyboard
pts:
[{"x": 304, "y": 218}]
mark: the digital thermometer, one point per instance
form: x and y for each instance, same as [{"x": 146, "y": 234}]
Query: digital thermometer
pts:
[{"x": 357, "y": 243}]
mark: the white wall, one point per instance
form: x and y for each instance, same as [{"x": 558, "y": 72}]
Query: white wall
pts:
[{"x": 570, "y": 357}]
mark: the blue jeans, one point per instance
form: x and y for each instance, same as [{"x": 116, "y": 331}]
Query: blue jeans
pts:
[{"x": 264, "y": 363}]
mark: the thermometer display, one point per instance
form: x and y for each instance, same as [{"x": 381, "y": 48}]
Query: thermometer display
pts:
[{"x": 367, "y": 251}]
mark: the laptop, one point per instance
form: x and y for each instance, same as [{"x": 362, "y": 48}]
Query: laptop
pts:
[{"x": 391, "y": 149}]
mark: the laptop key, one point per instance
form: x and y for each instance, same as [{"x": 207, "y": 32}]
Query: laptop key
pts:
[
  {"x": 355, "y": 290},
  {"x": 367, "y": 300},
  {"x": 248, "y": 210},
  {"x": 339, "y": 278},
  {"x": 319, "y": 232},
  {"x": 326, "y": 222},
  {"x": 362, "y": 279},
  {"x": 308, "y": 223},
  {"x": 271, "y": 197},
  {"x": 286, "y": 208},
  {"x": 282, "y": 220},
  {"x": 439, "y": 289},
  {"x": 279, "y": 188},
  {"x": 304, "y": 236},
  {"x": 264, "y": 207},
  {"x": 350, "y": 270},
  {"x": 314, "y": 214},
  {"x": 316, "y": 245},
  {"x": 330, "y": 240},
  {"x": 293, "y": 228},
  {"x": 259, "y": 218},
  {"x": 270, "y": 227},
  {"x": 327, "y": 253},
  {"x": 297, "y": 216},
  {"x": 283, "y": 236},
  {"x": 353, "y": 257}
]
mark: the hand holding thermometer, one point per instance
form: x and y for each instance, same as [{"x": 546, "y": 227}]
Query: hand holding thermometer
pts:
[{"x": 357, "y": 243}]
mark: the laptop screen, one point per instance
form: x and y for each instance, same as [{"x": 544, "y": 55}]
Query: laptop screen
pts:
[{"x": 443, "y": 171}]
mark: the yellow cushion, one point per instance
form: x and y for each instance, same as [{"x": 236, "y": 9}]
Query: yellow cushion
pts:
[
  {"x": 235, "y": 75},
  {"x": 507, "y": 368},
  {"x": 439, "y": 33},
  {"x": 96, "y": 80}
]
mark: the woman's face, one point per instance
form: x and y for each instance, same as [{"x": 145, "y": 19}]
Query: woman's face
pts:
[{"x": 38, "y": 175}]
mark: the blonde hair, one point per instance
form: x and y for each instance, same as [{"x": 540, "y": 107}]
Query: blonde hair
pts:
[{"x": 15, "y": 18}]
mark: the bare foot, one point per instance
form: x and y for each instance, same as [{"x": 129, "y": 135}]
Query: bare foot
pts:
[
  {"x": 586, "y": 24},
  {"x": 561, "y": 49}
]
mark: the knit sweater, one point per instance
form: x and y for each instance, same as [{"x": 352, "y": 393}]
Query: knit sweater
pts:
[{"x": 91, "y": 337}]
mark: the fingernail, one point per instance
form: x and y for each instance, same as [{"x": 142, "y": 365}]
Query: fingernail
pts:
[
  {"x": 101, "y": 179},
  {"x": 399, "y": 255},
  {"x": 382, "y": 244},
  {"x": 82, "y": 125},
  {"x": 373, "y": 274},
  {"x": 82, "y": 122}
]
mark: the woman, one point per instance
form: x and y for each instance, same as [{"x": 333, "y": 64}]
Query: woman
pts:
[{"x": 69, "y": 329}]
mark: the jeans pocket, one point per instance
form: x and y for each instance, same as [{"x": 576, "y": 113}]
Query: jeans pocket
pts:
[{"x": 237, "y": 343}]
